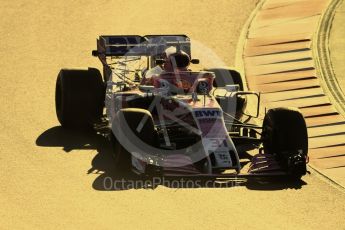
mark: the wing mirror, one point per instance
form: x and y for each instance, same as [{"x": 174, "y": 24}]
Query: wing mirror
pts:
[
  {"x": 95, "y": 53},
  {"x": 195, "y": 61},
  {"x": 159, "y": 61},
  {"x": 253, "y": 99},
  {"x": 232, "y": 88}
]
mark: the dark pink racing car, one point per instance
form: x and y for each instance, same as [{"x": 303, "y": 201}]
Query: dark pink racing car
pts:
[{"x": 163, "y": 118}]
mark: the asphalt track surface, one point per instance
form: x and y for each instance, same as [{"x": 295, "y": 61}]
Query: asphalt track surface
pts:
[{"x": 53, "y": 179}]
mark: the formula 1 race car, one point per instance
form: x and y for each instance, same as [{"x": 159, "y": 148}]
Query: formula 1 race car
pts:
[{"x": 164, "y": 118}]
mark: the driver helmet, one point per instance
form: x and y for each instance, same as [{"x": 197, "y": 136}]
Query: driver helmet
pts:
[{"x": 176, "y": 60}]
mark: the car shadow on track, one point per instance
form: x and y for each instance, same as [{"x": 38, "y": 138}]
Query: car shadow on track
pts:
[
  {"x": 119, "y": 182},
  {"x": 68, "y": 139},
  {"x": 110, "y": 179}
]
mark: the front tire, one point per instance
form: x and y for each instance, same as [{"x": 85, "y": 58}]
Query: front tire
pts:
[
  {"x": 285, "y": 136},
  {"x": 128, "y": 136}
]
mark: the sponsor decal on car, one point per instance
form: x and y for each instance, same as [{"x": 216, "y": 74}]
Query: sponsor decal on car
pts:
[{"x": 207, "y": 113}]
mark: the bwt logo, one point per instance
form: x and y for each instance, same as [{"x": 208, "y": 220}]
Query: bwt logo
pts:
[{"x": 207, "y": 113}]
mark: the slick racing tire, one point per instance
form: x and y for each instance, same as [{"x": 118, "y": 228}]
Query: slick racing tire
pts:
[
  {"x": 226, "y": 76},
  {"x": 127, "y": 135},
  {"x": 285, "y": 136},
  {"x": 79, "y": 97}
]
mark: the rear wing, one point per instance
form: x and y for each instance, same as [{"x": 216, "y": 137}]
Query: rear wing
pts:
[{"x": 135, "y": 45}]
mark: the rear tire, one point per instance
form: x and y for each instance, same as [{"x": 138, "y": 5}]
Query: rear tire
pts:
[
  {"x": 285, "y": 136},
  {"x": 227, "y": 76},
  {"x": 79, "y": 97}
]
